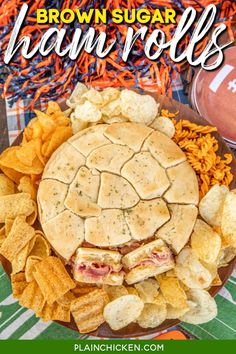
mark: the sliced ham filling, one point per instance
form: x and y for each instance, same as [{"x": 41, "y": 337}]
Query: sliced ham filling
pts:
[
  {"x": 155, "y": 259},
  {"x": 96, "y": 270}
]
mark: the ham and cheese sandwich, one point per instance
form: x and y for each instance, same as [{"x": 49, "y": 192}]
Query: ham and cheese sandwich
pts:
[
  {"x": 147, "y": 261},
  {"x": 93, "y": 265}
]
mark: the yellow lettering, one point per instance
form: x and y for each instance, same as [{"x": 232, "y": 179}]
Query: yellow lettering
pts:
[
  {"x": 67, "y": 16},
  {"x": 170, "y": 16},
  {"x": 157, "y": 17},
  {"x": 101, "y": 16},
  {"x": 42, "y": 16},
  {"x": 84, "y": 17},
  {"x": 53, "y": 15},
  {"x": 117, "y": 16},
  {"x": 143, "y": 16}
]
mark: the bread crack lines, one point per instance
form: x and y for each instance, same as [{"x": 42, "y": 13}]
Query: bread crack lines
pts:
[{"x": 109, "y": 158}]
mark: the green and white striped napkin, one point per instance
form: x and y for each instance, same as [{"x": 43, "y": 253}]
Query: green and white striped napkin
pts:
[{"x": 17, "y": 322}]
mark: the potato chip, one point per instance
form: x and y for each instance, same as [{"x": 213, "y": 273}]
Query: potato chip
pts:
[
  {"x": 138, "y": 108},
  {"x": 6, "y": 185},
  {"x": 211, "y": 205},
  {"x": 30, "y": 267},
  {"x": 26, "y": 186},
  {"x": 203, "y": 307},
  {"x": 21, "y": 233},
  {"x": 27, "y": 153},
  {"x": 114, "y": 119},
  {"x": 190, "y": 271},
  {"x": 76, "y": 96},
  {"x": 52, "y": 278},
  {"x": 59, "y": 136},
  {"x": 66, "y": 299},
  {"x": 228, "y": 224},
  {"x": 112, "y": 109},
  {"x": 77, "y": 124},
  {"x": 110, "y": 94},
  {"x": 174, "y": 312},
  {"x": 216, "y": 281},
  {"x": 88, "y": 112},
  {"x": 15, "y": 204},
  {"x": 54, "y": 312},
  {"x": 41, "y": 247},
  {"x": 83, "y": 289},
  {"x": 10, "y": 159},
  {"x": 87, "y": 310},
  {"x": 205, "y": 242},
  {"x": 8, "y": 225},
  {"x": 11, "y": 173},
  {"x": 172, "y": 291},
  {"x": 122, "y": 311},
  {"x": 46, "y": 122},
  {"x": 164, "y": 125},
  {"x": 18, "y": 283},
  {"x": 93, "y": 96},
  {"x": 226, "y": 255},
  {"x": 115, "y": 291},
  {"x": 18, "y": 263},
  {"x": 147, "y": 290},
  {"x": 152, "y": 315},
  {"x": 2, "y": 235},
  {"x": 53, "y": 108},
  {"x": 32, "y": 217},
  {"x": 132, "y": 291},
  {"x": 32, "y": 297}
]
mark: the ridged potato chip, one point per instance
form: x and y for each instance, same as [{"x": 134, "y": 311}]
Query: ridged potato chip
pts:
[
  {"x": 41, "y": 247},
  {"x": 54, "y": 312},
  {"x": 8, "y": 225},
  {"x": 205, "y": 242},
  {"x": 18, "y": 283},
  {"x": 6, "y": 185},
  {"x": 18, "y": 263},
  {"x": 26, "y": 186},
  {"x": 66, "y": 299},
  {"x": 87, "y": 310},
  {"x": 32, "y": 297},
  {"x": 52, "y": 278},
  {"x": 147, "y": 290},
  {"x": 228, "y": 224},
  {"x": 138, "y": 108},
  {"x": 203, "y": 307},
  {"x": 30, "y": 267},
  {"x": 122, "y": 311},
  {"x": 211, "y": 205},
  {"x": 114, "y": 292},
  {"x": 190, "y": 270},
  {"x": 164, "y": 125},
  {"x": 32, "y": 217},
  {"x": 15, "y": 204},
  {"x": 83, "y": 289},
  {"x": 21, "y": 233},
  {"x": 172, "y": 291}
]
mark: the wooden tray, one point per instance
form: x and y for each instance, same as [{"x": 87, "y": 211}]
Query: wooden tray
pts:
[{"x": 134, "y": 330}]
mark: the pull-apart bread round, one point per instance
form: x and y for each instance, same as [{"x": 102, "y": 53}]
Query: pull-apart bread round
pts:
[{"x": 111, "y": 186}]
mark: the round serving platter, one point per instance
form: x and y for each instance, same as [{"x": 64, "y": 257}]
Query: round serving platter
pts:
[{"x": 134, "y": 330}]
